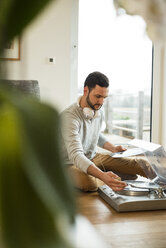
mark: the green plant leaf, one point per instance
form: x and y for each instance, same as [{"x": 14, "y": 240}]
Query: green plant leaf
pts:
[
  {"x": 36, "y": 199},
  {"x": 15, "y": 15}
]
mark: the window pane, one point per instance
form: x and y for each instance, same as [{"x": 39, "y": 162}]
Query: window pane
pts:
[{"x": 119, "y": 48}]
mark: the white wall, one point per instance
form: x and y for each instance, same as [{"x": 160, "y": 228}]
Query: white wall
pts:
[{"x": 53, "y": 34}]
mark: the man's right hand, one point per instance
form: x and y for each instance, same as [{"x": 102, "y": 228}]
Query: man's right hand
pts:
[
  {"x": 113, "y": 181},
  {"x": 109, "y": 178}
]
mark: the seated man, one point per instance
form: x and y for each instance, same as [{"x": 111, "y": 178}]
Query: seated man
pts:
[{"x": 81, "y": 134}]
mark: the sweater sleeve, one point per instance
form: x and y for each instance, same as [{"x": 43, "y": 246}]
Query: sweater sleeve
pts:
[
  {"x": 70, "y": 134},
  {"x": 102, "y": 140}
]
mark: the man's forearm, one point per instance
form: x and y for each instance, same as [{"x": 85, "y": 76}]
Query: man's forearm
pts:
[
  {"x": 95, "y": 171},
  {"x": 108, "y": 146}
]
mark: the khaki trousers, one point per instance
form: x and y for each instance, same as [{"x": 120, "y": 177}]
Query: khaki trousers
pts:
[{"x": 126, "y": 168}]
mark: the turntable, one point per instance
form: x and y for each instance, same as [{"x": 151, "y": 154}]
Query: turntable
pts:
[
  {"x": 140, "y": 195},
  {"x": 136, "y": 196}
]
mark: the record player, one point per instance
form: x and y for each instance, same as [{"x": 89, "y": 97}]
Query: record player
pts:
[{"x": 140, "y": 195}]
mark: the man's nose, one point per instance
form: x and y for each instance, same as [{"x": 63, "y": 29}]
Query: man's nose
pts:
[{"x": 101, "y": 101}]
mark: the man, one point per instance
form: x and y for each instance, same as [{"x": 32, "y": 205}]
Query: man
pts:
[{"x": 81, "y": 134}]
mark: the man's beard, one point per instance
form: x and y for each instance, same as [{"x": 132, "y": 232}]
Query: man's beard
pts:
[{"x": 91, "y": 105}]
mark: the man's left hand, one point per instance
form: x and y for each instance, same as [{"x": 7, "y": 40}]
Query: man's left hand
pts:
[{"x": 119, "y": 149}]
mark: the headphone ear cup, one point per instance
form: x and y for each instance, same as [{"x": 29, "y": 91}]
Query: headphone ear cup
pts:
[{"x": 88, "y": 113}]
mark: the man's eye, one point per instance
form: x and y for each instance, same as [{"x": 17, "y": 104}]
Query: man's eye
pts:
[{"x": 97, "y": 96}]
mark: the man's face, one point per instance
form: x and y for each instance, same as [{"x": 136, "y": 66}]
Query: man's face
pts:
[{"x": 95, "y": 98}]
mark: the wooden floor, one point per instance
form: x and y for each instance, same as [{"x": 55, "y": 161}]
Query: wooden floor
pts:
[{"x": 145, "y": 229}]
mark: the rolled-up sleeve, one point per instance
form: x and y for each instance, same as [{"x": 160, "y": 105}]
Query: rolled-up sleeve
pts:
[{"x": 71, "y": 137}]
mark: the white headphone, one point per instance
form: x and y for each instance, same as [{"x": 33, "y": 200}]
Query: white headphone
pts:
[{"x": 88, "y": 112}]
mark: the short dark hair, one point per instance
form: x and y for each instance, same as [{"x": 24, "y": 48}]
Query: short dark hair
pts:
[{"x": 96, "y": 78}]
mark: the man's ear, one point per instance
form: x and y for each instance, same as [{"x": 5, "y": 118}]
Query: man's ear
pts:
[{"x": 86, "y": 90}]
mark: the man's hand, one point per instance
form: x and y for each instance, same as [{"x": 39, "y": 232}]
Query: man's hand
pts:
[
  {"x": 109, "y": 178},
  {"x": 113, "y": 181},
  {"x": 119, "y": 149},
  {"x": 110, "y": 147}
]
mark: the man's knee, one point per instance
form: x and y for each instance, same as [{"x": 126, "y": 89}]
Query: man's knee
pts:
[{"x": 82, "y": 180}]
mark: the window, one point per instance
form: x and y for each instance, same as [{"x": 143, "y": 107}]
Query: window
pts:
[{"x": 119, "y": 48}]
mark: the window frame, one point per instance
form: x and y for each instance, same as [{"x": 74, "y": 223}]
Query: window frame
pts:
[{"x": 159, "y": 95}]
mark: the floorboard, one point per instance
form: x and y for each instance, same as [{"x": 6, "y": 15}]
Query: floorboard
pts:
[{"x": 146, "y": 229}]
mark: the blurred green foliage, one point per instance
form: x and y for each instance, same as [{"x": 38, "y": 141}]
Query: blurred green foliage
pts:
[
  {"x": 36, "y": 198},
  {"x": 15, "y": 15}
]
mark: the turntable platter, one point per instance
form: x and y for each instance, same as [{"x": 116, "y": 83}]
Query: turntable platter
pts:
[
  {"x": 130, "y": 191},
  {"x": 138, "y": 188}
]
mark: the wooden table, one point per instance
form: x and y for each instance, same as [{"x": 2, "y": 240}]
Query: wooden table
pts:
[{"x": 145, "y": 229}]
